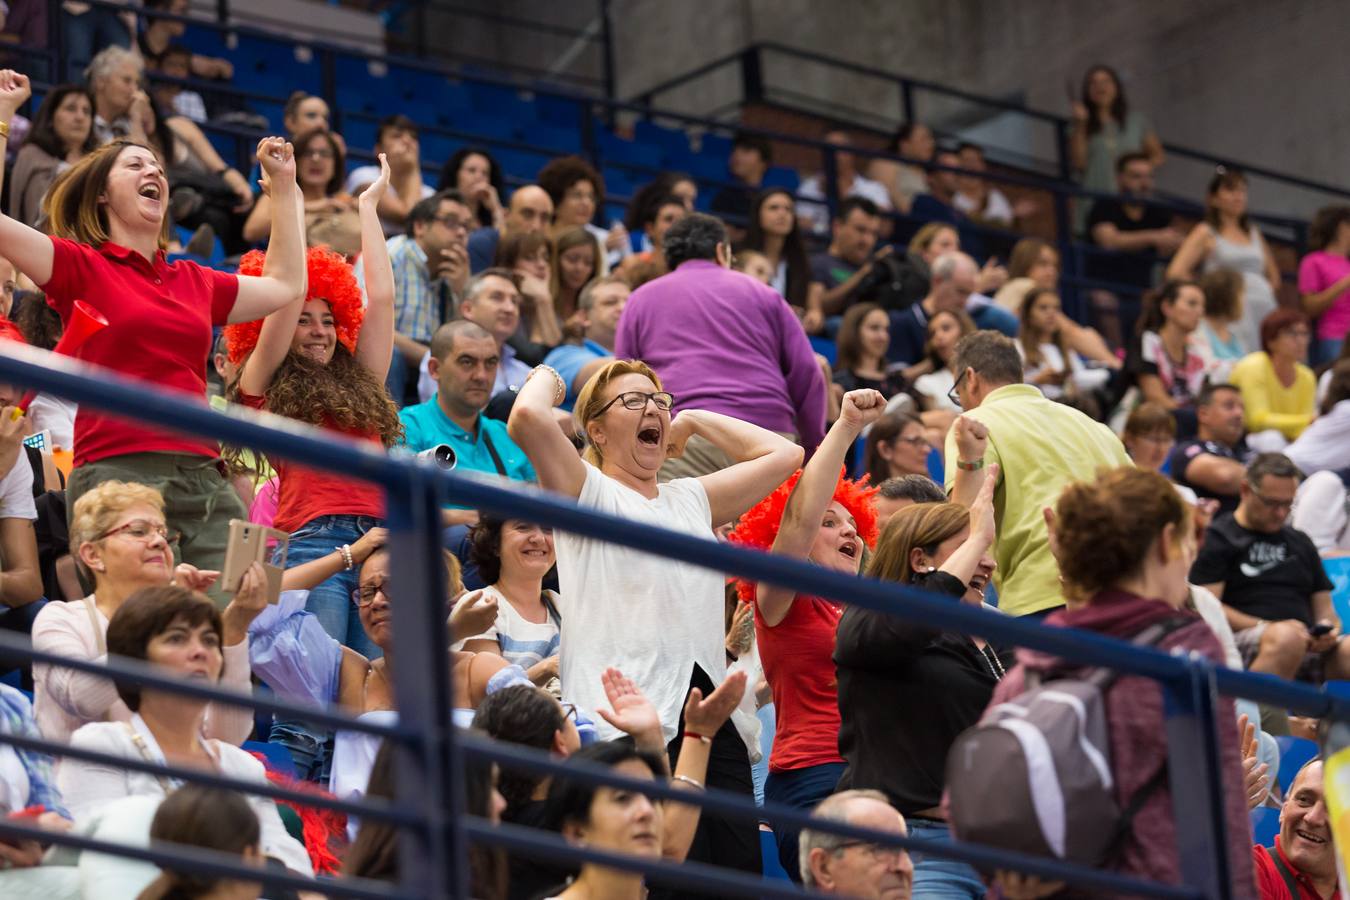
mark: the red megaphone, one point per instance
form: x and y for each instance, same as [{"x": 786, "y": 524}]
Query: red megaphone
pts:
[{"x": 85, "y": 322}]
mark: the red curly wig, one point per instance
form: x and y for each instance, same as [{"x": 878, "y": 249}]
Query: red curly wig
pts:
[
  {"x": 758, "y": 528},
  {"x": 330, "y": 279}
]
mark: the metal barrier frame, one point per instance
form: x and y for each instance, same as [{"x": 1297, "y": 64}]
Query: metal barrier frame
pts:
[{"x": 430, "y": 760}]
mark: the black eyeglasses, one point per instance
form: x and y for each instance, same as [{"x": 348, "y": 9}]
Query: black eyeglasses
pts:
[
  {"x": 664, "y": 400},
  {"x": 952, "y": 395},
  {"x": 365, "y": 594},
  {"x": 570, "y": 712},
  {"x": 454, "y": 223}
]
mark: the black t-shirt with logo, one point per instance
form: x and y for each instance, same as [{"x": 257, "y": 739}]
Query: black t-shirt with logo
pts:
[{"x": 1270, "y": 576}]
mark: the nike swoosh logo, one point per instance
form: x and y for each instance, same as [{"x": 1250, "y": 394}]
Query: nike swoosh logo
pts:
[{"x": 1252, "y": 571}]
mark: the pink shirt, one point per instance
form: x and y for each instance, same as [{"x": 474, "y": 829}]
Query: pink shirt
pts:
[{"x": 1318, "y": 271}]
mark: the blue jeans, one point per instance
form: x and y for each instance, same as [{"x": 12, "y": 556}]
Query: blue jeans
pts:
[
  {"x": 88, "y": 33},
  {"x": 803, "y": 789},
  {"x": 1325, "y": 350},
  {"x": 396, "y": 382},
  {"x": 331, "y": 603},
  {"x": 936, "y": 878}
]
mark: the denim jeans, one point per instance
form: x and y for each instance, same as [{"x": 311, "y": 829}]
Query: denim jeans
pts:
[
  {"x": 331, "y": 603},
  {"x": 88, "y": 33},
  {"x": 1326, "y": 350},
  {"x": 936, "y": 878},
  {"x": 803, "y": 789}
]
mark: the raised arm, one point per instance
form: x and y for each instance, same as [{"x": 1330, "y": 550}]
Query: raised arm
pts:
[
  {"x": 29, "y": 249},
  {"x": 965, "y": 559},
  {"x": 533, "y": 428},
  {"x": 283, "y": 279},
  {"x": 970, "y": 438},
  {"x": 375, "y": 346},
  {"x": 811, "y": 497},
  {"x": 762, "y": 460}
]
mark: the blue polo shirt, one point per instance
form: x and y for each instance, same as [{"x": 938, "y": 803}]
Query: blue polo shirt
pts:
[
  {"x": 426, "y": 425},
  {"x": 569, "y": 359}
]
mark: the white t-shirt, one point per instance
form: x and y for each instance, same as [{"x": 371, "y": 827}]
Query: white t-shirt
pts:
[
  {"x": 652, "y": 618},
  {"x": 817, "y": 214},
  {"x": 524, "y": 643},
  {"x": 16, "y": 491},
  {"x": 363, "y": 177},
  {"x": 996, "y": 207},
  {"x": 935, "y": 386}
]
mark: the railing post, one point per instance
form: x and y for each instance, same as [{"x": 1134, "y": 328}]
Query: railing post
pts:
[
  {"x": 1069, "y": 261},
  {"x": 328, "y": 80},
  {"x": 830, "y": 172},
  {"x": 430, "y": 777},
  {"x": 1062, "y": 152},
  {"x": 907, "y": 99},
  {"x": 752, "y": 75},
  {"x": 1195, "y": 774},
  {"x": 607, "y": 49}
]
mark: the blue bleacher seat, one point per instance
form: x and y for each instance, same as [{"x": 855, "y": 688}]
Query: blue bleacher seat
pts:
[
  {"x": 825, "y": 347},
  {"x": 1265, "y": 825},
  {"x": 673, "y": 142},
  {"x": 553, "y": 137},
  {"x": 783, "y": 177},
  {"x": 491, "y": 97},
  {"x": 558, "y": 111},
  {"x": 359, "y": 131},
  {"x": 1294, "y": 752},
  {"x": 718, "y": 145},
  {"x": 706, "y": 168},
  {"x": 277, "y": 757},
  {"x": 521, "y": 163}
]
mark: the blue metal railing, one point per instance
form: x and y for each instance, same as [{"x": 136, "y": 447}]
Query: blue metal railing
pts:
[{"x": 429, "y": 764}]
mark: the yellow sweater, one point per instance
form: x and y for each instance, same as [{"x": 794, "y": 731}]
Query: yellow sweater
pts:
[{"x": 1269, "y": 403}]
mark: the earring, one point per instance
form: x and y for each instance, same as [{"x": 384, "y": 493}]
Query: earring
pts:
[{"x": 932, "y": 569}]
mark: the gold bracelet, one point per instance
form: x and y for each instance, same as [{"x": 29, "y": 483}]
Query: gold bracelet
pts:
[{"x": 4, "y": 131}]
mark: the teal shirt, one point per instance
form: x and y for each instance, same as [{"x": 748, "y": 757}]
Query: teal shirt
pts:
[{"x": 426, "y": 425}]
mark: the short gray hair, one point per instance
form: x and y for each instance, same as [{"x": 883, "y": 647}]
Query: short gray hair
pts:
[
  {"x": 694, "y": 236},
  {"x": 586, "y": 299},
  {"x": 947, "y": 265},
  {"x": 833, "y": 808},
  {"x": 108, "y": 60},
  {"x": 916, "y": 488},
  {"x": 475, "y": 285}
]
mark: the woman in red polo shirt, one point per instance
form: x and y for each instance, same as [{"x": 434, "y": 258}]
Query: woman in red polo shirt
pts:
[
  {"x": 109, "y": 218},
  {"x": 816, "y": 515}
]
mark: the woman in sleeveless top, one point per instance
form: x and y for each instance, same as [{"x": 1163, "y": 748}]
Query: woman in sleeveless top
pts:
[{"x": 1227, "y": 240}]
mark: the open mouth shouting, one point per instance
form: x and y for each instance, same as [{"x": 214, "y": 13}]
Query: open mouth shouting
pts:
[
  {"x": 151, "y": 190},
  {"x": 850, "y": 549},
  {"x": 649, "y": 436}
]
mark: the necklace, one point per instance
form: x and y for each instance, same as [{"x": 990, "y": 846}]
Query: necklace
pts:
[{"x": 992, "y": 661}]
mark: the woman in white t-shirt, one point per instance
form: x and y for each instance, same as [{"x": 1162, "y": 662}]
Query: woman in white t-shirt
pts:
[{"x": 513, "y": 557}]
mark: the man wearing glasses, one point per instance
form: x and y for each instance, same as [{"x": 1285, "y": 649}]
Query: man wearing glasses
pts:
[
  {"x": 431, "y": 271},
  {"x": 836, "y": 865},
  {"x": 1275, "y": 592}
]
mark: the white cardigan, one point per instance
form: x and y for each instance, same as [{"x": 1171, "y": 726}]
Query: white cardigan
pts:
[{"x": 88, "y": 786}]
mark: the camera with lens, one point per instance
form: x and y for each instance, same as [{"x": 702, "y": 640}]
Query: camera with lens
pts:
[
  {"x": 443, "y": 455},
  {"x": 894, "y": 283}
]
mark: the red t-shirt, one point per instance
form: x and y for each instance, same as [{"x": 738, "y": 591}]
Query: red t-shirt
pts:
[
  {"x": 160, "y": 318},
  {"x": 797, "y": 655},
  {"x": 305, "y": 494},
  {"x": 1270, "y": 883}
]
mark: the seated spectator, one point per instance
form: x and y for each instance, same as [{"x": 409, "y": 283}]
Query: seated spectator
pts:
[
  {"x": 179, "y": 630},
  {"x": 893, "y": 673},
  {"x": 723, "y": 343},
  {"x": 897, "y": 446},
  {"x": 529, "y": 255},
  {"x": 1321, "y": 512},
  {"x": 1149, "y": 435},
  {"x": 849, "y": 182},
  {"x": 1223, "y": 309},
  {"x": 751, "y": 156},
  {"x": 1325, "y": 444},
  {"x": 668, "y": 184},
  {"x": 492, "y": 302},
  {"x": 159, "y": 34},
  {"x": 945, "y": 330},
  {"x": 114, "y": 78},
  {"x": 1324, "y": 280},
  {"x": 818, "y": 516},
  {"x": 1303, "y": 859},
  {"x": 1124, "y": 539},
  {"x": 331, "y": 217},
  {"x": 513, "y": 558},
  {"x": 600, "y": 305},
  {"x": 624, "y": 414},
  {"x": 901, "y": 492},
  {"x": 951, "y": 284},
  {"x": 21, "y": 578},
  {"x": 977, "y": 198},
  {"x": 1271, "y": 581},
  {"x": 905, "y": 180},
  {"x": 395, "y": 140},
  {"x": 464, "y": 362},
  {"x": 1226, "y": 239},
  {"x": 530, "y": 210},
  {"x": 846, "y": 268},
  {"x": 176, "y": 62},
  {"x": 212, "y": 819},
  {"x": 61, "y": 136},
  {"x": 935, "y": 240},
  {"x": 29, "y": 782},
  {"x": 832, "y": 864},
  {"x": 939, "y": 204},
  {"x": 1104, "y": 127},
  {"x": 1033, "y": 264},
  {"x": 1277, "y": 388},
  {"x": 121, "y": 544},
  {"x": 290, "y": 649},
  {"x": 431, "y": 269},
  {"x": 1051, "y": 363},
  {"x": 1039, "y": 446},
  {"x": 754, "y": 264},
  {"x": 1213, "y": 463},
  {"x": 576, "y": 262},
  {"x": 774, "y": 231},
  {"x": 578, "y": 193},
  {"x": 476, "y": 175},
  {"x": 1168, "y": 363},
  {"x": 860, "y": 361},
  {"x": 652, "y": 223},
  {"x": 305, "y": 112}
]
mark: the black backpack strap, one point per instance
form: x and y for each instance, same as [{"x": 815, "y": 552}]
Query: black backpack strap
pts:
[
  {"x": 1286, "y": 875},
  {"x": 551, "y": 609},
  {"x": 492, "y": 451}
]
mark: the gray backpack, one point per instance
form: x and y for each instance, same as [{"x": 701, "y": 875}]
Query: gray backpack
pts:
[{"x": 1034, "y": 775}]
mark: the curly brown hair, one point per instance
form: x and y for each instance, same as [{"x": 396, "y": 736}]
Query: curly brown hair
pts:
[{"x": 341, "y": 394}]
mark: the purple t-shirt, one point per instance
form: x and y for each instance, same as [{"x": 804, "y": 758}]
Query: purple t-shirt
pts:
[
  {"x": 723, "y": 342},
  {"x": 1318, "y": 271}
]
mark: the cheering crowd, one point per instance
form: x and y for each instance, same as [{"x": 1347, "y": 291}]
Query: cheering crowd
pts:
[{"x": 1176, "y": 482}]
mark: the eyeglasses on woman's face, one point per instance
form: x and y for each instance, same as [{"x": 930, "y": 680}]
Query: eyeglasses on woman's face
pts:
[
  {"x": 364, "y": 595},
  {"x": 664, "y": 400},
  {"x": 143, "y": 530}
]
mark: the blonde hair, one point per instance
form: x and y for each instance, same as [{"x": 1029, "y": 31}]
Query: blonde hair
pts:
[
  {"x": 97, "y": 509},
  {"x": 924, "y": 236},
  {"x": 592, "y": 397},
  {"x": 923, "y": 525},
  {"x": 73, "y": 206}
]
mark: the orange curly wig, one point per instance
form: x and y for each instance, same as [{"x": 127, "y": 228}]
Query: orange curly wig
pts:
[
  {"x": 758, "y": 528},
  {"x": 330, "y": 279}
]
